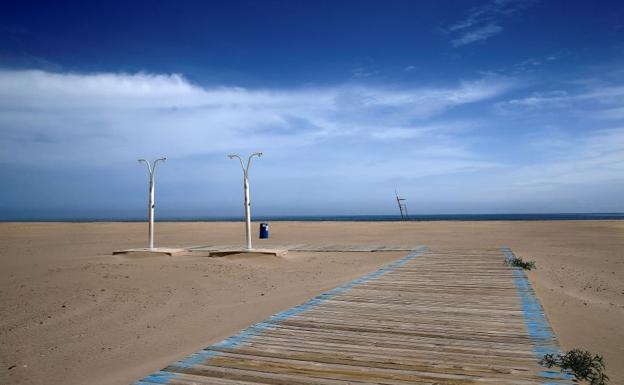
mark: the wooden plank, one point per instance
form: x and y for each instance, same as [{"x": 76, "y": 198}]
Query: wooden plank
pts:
[{"x": 441, "y": 317}]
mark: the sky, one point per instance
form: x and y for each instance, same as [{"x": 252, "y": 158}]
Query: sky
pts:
[{"x": 495, "y": 106}]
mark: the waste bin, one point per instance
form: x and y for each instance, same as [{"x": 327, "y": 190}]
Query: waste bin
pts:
[{"x": 264, "y": 230}]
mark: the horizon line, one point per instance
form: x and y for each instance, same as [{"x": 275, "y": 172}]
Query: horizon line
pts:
[{"x": 340, "y": 217}]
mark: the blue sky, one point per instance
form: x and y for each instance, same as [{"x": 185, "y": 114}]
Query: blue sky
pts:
[{"x": 463, "y": 106}]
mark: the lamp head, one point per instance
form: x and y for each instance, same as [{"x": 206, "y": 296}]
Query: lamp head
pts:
[{"x": 232, "y": 156}]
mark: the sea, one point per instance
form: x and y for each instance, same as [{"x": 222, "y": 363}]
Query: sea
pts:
[{"x": 346, "y": 218}]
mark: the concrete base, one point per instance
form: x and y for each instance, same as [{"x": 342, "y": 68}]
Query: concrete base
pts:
[
  {"x": 225, "y": 252},
  {"x": 311, "y": 248},
  {"x": 155, "y": 251}
]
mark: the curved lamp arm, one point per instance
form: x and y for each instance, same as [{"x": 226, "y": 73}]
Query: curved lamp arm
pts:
[
  {"x": 164, "y": 158},
  {"x": 149, "y": 167},
  {"x": 232, "y": 156},
  {"x": 258, "y": 154}
]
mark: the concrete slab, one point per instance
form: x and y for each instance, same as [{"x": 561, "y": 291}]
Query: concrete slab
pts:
[
  {"x": 155, "y": 251},
  {"x": 225, "y": 252},
  {"x": 314, "y": 248}
]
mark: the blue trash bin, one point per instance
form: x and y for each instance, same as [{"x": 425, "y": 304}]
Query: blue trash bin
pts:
[{"x": 264, "y": 230}]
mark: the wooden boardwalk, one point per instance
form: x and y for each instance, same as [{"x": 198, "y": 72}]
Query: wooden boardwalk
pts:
[{"x": 433, "y": 317}]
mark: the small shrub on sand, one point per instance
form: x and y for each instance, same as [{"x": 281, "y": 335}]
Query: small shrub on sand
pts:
[
  {"x": 519, "y": 262},
  {"x": 584, "y": 365}
]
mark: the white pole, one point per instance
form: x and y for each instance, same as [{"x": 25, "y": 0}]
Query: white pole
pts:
[
  {"x": 151, "y": 168},
  {"x": 246, "y": 189},
  {"x": 151, "y": 211},
  {"x": 247, "y": 213}
]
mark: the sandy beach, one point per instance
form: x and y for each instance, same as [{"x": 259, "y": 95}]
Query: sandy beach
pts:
[{"x": 72, "y": 313}]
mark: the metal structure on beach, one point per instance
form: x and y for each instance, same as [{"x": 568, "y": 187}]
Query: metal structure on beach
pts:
[
  {"x": 402, "y": 202},
  {"x": 151, "y": 168},
  {"x": 246, "y": 189}
]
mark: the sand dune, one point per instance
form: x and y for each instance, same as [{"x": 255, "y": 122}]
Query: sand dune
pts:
[{"x": 72, "y": 313}]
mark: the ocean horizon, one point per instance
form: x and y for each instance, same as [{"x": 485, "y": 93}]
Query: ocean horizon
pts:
[{"x": 343, "y": 218}]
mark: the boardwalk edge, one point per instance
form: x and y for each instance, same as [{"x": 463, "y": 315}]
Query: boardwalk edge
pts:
[{"x": 538, "y": 327}]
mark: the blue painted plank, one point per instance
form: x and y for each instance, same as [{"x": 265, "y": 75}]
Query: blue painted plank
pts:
[{"x": 537, "y": 324}]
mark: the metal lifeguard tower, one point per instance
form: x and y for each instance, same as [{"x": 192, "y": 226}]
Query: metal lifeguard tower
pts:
[{"x": 402, "y": 202}]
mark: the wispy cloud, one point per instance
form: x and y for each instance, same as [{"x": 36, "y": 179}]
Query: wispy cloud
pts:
[
  {"x": 598, "y": 101},
  {"x": 362, "y": 72},
  {"x": 484, "y": 21},
  {"x": 540, "y": 61},
  {"x": 537, "y": 64},
  {"x": 478, "y": 34},
  {"x": 591, "y": 159},
  {"x": 539, "y": 100},
  {"x": 346, "y": 137},
  {"x": 415, "y": 131},
  {"x": 87, "y": 117},
  {"x": 611, "y": 113}
]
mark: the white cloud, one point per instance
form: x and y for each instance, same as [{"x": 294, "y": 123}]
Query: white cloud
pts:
[
  {"x": 539, "y": 100},
  {"x": 448, "y": 128},
  {"x": 65, "y": 118},
  {"x": 535, "y": 64},
  {"x": 394, "y": 133},
  {"x": 593, "y": 159},
  {"x": 482, "y": 33},
  {"x": 592, "y": 98},
  {"x": 327, "y": 141},
  {"x": 484, "y": 21},
  {"x": 611, "y": 113}
]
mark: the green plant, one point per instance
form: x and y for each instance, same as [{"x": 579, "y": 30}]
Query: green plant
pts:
[
  {"x": 584, "y": 365},
  {"x": 519, "y": 262}
]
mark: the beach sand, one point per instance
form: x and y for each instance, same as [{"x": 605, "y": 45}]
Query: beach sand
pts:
[{"x": 71, "y": 313}]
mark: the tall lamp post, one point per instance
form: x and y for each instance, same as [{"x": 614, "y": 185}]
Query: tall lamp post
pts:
[
  {"x": 246, "y": 188},
  {"x": 151, "y": 168}
]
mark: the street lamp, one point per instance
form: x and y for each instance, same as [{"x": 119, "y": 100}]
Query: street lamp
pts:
[
  {"x": 151, "y": 168},
  {"x": 246, "y": 188}
]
